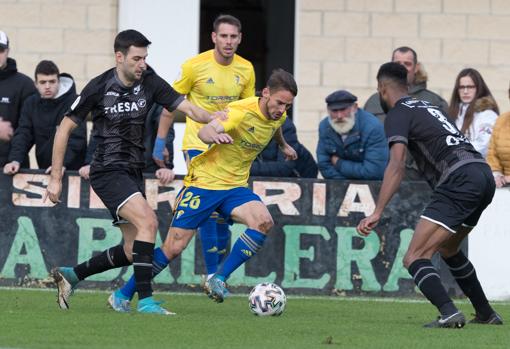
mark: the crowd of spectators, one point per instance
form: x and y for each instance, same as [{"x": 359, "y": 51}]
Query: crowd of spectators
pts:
[{"x": 351, "y": 145}]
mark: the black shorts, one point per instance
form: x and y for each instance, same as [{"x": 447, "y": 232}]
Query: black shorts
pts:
[
  {"x": 115, "y": 187},
  {"x": 462, "y": 197}
]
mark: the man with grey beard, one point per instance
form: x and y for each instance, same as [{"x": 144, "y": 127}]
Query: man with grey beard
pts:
[{"x": 352, "y": 143}]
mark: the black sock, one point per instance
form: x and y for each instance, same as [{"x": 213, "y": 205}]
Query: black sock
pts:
[
  {"x": 428, "y": 281},
  {"x": 465, "y": 275},
  {"x": 143, "y": 253},
  {"x": 113, "y": 257}
]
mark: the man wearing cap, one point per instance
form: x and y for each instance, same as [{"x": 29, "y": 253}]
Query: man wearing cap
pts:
[
  {"x": 14, "y": 89},
  {"x": 352, "y": 143}
]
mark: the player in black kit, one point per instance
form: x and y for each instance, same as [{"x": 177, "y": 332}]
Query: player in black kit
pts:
[
  {"x": 463, "y": 187},
  {"x": 119, "y": 100}
]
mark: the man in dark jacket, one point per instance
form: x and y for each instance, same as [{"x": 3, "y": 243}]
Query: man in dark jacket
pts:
[
  {"x": 271, "y": 162},
  {"x": 40, "y": 115},
  {"x": 14, "y": 89},
  {"x": 352, "y": 144}
]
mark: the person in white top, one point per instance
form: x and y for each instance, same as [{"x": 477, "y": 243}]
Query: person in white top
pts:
[{"x": 473, "y": 108}]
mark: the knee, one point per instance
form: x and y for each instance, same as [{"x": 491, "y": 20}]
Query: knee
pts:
[
  {"x": 151, "y": 222},
  {"x": 128, "y": 250},
  {"x": 265, "y": 223}
]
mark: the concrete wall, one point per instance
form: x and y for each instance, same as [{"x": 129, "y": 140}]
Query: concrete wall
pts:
[
  {"x": 342, "y": 43},
  {"x": 76, "y": 34}
]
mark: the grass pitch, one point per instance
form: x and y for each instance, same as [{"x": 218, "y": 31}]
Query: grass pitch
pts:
[{"x": 31, "y": 319}]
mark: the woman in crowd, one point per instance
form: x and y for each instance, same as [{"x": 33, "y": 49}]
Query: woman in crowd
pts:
[
  {"x": 498, "y": 156},
  {"x": 473, "y": 108}
]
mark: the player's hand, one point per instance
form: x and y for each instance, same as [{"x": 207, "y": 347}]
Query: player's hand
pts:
[
  {"x": 165, "y": 175},
  {"x": 334, "y": 159},
  {"x": 288, "y": 152},
  {"x": 221, "y": 115},
  {"x": 222, "y": 138},
  {"x": 368, "y": 224},
  {"x": 11, "y": 168},
  {"x": 84, "y": 172},
  {"x": 6, "y": 130},
  {"x": 53, "y": 190}
]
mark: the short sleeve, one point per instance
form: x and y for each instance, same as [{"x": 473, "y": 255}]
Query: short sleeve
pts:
[
  {"x": 165, "y": 95},
  {"x": 184, "y": 82},
  {"x": 249, "y": 89},
  {"x": 396, "y": 126},
  {"x": 84, "y": 103}
]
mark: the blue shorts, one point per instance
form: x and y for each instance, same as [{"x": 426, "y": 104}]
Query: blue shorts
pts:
[{"x": 194, "y": 205}]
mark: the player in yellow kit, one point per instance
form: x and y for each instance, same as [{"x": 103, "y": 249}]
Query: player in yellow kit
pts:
[
  {"x": 218, "y": 178},
  {"x": 210, "y": 80}
]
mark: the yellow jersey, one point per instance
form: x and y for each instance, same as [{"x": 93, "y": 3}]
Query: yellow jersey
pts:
[
  {"x": 227, "y": 166},
  {"x": 211, "y": 86}
]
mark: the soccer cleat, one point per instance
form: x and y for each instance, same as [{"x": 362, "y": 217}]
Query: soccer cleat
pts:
[
  {"x": 119, "y": 302},
  {"x": 66, "y": 281},
  {"x": 150, "y": 306},
  {"x": 456, "y": 320},
  {"x": 217, "y": 289},
  {"x": 494, "y": 319}
]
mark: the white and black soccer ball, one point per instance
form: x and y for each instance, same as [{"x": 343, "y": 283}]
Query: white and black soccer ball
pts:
[{"x": 267, "y": 299}]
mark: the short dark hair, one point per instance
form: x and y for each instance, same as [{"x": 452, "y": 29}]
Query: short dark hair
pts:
[
  {"x": 229, "y": 19},
  {"x": 128, "y": 38},
  {"x": 393, "y": 71},
  {"x": 46, "y": 68},
  {"x": 405, "y": 49},
  {"x": 282, "y": 80}
]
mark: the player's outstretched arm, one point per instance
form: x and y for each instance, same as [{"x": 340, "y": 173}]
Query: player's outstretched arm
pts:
[
  {"x": 288, "y": 151},
  {"x": 214, "y": 133},
  {"x": 392, "y": 177},
  {"x": 57, "y": 162},
  {"x": 194, "y": 112}
]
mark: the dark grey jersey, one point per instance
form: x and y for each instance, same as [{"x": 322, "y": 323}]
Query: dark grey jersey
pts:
[
  {"x": 119, "y": 113},
  {"x": 436, "y": 144}
]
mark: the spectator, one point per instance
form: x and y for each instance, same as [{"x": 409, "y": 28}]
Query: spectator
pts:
[
  {"x": 151, "y": 129},
  {"x": 498, "y": 155},
  {"x": 271, "y": 162},
  {"x": 416, "y": 79},
  {"x": 15, "y": 87},
  {"x": 40, "y": 115},
  {"x": 352, "y": 143},
  {"x": 473, "y": 108},
  {"x": 417, "y": 88}
]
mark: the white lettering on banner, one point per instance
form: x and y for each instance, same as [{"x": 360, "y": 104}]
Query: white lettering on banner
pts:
[
  {"x": 319, "y": 199},
  {"x": 366, "y": 203},
  {"x": 154, "y": 197},
  {"x": 73, "y": 199},
  {"x": 26, "y": 182},
  {"x": 290, "y": 192}
]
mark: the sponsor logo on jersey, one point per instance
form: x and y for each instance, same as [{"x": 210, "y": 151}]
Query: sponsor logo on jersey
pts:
[
  {"x": 246, "y": 144},
  {"x": 252, "y": 129},
  {"x": 112, "y": 93},
  {"x": 237, "y": 79},
  {"x": 141, "y": 103},
  {"x": 122, "y": 107},
  {"x": 223, "y": 98},
  {"x": 136, "y": 89},
  {"x": 5, "y": 100},
  {"x": 210, "y": 81}
]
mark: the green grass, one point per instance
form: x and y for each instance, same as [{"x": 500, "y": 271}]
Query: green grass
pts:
[{"x": 31, "y": 319}]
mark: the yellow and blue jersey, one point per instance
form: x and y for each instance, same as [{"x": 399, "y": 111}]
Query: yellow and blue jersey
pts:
[
  {"x": 212, "y": 86},
  {"x": 226, "y": 166}
]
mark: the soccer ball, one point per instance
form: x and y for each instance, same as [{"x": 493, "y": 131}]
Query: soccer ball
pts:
[{"x": 267, "y": 299}]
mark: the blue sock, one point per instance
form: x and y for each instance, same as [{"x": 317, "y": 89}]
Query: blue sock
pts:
[
  {"x": 159, "y": 263},
  {"x": 248, "y": 244},
  {"x": 223, "y": 240},
  {"x": 207, "y": 231}
]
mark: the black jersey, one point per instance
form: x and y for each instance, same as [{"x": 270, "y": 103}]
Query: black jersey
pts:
[
  {"x": 436, "y": 144},
  {"x": 119, "y": 113}
]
